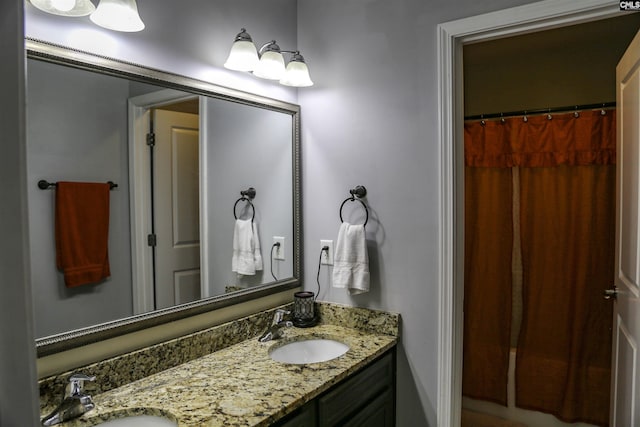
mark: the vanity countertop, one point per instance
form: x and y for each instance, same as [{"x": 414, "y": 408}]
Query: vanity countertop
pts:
[{"x": 239, "y": 385}]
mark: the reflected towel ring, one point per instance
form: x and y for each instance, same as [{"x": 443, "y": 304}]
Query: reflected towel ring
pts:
[
  {"x": 356, "y": 194},
  {"x": 247, "y": 196}
]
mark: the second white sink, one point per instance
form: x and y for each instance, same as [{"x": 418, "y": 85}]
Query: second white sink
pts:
[{"x": 308, "y": 351}]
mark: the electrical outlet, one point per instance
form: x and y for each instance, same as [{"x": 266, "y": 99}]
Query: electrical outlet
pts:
[
  {"x": 327, "y": 256},
  {"x": 278, "y": 252}
]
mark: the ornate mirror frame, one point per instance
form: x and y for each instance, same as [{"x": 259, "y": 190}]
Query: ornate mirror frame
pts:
[{"x": 65, "y": 56}]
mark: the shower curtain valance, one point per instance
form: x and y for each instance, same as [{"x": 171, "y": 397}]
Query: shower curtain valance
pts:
[{"x": 542, "y": 142}]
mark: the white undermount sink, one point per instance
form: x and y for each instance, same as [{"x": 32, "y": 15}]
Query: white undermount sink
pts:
[
  {"x": 308, "y": 351},
  {"x": 139, "y": 421}
]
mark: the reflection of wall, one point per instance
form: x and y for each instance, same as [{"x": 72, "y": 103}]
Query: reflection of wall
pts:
[
  {"x": 242, "y": 155},
  {"x": 93, "y": 147}
]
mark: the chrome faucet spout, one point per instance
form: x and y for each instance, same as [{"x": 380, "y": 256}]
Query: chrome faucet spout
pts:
[
  {"x": 73, "y": 405},
  {"x": 277, "y": 326}
]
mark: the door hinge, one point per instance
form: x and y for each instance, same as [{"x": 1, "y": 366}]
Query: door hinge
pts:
[
  {"x": 151, "y": 139},
  {"x": 151, "y": 240}
]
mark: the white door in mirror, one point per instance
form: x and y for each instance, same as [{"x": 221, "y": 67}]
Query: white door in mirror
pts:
[
  {"x": 308, "y": 351},
  {"x": 140, "y": 421}
]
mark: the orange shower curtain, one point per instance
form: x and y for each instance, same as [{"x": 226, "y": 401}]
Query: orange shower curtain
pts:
[
  {"x": 567, "y": 237},
  {"x": 488, "y": 244}
]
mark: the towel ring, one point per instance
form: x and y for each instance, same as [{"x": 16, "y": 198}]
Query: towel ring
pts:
[
  {"x": 246, "y": 195},
  {"x": 356, "y": 194}
]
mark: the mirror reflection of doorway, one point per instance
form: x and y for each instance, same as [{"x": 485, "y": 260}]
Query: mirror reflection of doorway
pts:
[{"x": 176, "y": 205}]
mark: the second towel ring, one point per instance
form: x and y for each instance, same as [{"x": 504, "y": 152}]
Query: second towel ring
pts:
[
  {"x": 247, "y": 196},
  {"x": 357, "y": 194}
]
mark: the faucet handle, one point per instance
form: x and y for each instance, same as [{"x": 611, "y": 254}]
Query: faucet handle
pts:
[
  {"x": 278, "y": 316},
  {"x": 77, "y": 383}
]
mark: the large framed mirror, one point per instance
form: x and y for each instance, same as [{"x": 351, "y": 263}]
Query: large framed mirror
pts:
[{"x": 194, "y": 166}]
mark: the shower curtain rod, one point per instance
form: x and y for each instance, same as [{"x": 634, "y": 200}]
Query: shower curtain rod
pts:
[{"x": 541, "y": 111}]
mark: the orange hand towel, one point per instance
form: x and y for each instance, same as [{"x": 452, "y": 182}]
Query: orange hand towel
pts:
[{"x": 82, "y": 232}]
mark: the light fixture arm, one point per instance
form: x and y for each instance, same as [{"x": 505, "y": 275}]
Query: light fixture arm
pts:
[
  {"x": 269, "y": 47},
  {"x": 272, "y": 46}
]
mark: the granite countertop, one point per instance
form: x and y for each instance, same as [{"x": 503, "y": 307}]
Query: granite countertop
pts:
[{"x": 239, "y": 385}]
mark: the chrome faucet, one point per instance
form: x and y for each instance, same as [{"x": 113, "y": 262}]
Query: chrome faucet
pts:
[
  {"x": 76, "y": 403},
  {"x": 277, "y": 326}
]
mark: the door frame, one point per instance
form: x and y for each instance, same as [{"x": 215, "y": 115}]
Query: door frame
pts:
[
  {"x": 451, "y": 37},
  {"x": 140, "y": 192}
]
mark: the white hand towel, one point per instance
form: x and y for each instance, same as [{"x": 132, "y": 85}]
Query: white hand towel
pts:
[
  {"x": 246, "y": 257},
  {"x": 350, "y": 260},
  {"x": 257, "y": 256}
]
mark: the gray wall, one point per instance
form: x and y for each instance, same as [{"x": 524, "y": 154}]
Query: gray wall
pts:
[
  {"x": 371, "y": 119},
  {"x": 377, "y": 128},
  {"x": 18, "y": 389},
  {"x": 190, "y": 38},
  {"x": 248, "y": 147},
  {"x": 76, "y": 131}
]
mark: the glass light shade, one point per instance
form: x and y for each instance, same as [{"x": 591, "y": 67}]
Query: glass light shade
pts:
[
  {"x": 242, "y": 57},
  {"x": 65, "y": 7},
  {"x": 271, "y": 66},
  {"x": 296, "y": 74},
  {"x": 118, "y": 15}
]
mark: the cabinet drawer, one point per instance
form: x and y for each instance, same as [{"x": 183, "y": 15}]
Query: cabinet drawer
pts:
[
  {"x": 378, "y": 413},
  {"x": 352, "y": 395},
  {"x": 303, "y": 417}
]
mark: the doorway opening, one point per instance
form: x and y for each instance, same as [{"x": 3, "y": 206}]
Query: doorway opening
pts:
[
  {"x": 164, "y": 166},
  {"x": 175, "y": 207},
  {"x": 453, "y": 36},
  {"x": 534, "y": 72}
]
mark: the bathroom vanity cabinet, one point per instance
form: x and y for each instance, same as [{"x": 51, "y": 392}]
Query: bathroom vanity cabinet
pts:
[
  {"x": 367, "y": 398},
  {"x": 240, "y": 384}
]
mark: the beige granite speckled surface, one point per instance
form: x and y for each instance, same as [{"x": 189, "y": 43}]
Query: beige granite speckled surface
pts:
[{"x": 239, "y": 385}]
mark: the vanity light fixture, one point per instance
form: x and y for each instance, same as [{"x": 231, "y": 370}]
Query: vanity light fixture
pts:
[
  {"x": 243, "y": 55},
  {"x": 271, "y": 64},
  {"x": 118, "y": 15},
  {"x": 268, "y": 62},
  {"x": 65, "y": 7},
  {"x": 297, "y": 72}
]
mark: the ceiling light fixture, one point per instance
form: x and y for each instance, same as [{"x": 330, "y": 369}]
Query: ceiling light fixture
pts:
[
  {"x": 65, "y": 7},
  {"x": 268, "y": 62}
]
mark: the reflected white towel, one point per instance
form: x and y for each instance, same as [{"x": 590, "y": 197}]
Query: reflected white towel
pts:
[
  {"x": 246, "y": 259},
  {"x": 350, "y": 260}
]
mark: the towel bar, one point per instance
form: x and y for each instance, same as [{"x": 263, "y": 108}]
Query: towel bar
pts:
[{"x": 45, "y": 185}]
